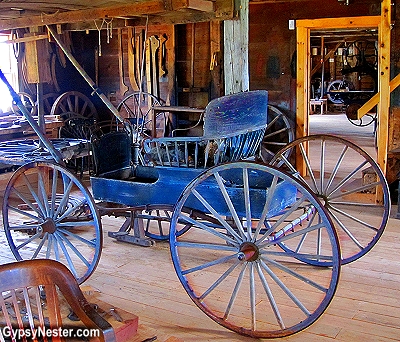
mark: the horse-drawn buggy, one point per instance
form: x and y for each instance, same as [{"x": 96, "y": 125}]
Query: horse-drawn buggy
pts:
[{"x": 257, "y": 246}]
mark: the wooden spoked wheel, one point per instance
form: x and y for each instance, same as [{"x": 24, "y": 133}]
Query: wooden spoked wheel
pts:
[
  {"x": 349, "y": 183},
  {"x": 29, "y": 103},
  {"x": 48, "y": 101},
  {"x": 49, "y": 214},
  {"x": 73, "y": 102},
  {"x": 232, "y": 266},
  {"x": 278, "y": 133},
  {"x": 138, "y": 109}
]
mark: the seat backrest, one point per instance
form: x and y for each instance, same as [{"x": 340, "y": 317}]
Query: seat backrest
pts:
[
  {"x": 32, "y": 293},
  {"x": 235, "y": 114},
  {"x": 111, "y": 151}
]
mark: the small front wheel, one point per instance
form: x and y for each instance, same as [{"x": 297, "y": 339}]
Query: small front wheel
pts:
[{"x": 49, "y": 214}]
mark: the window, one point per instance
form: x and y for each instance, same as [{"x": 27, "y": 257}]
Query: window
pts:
[{"x": 8, "y": 64}]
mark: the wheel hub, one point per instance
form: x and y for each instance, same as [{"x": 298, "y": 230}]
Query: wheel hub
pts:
[
  {"x": 323, "y": 199},
  {"x": 248, "y": 252},
  {"x": 48, "y": 226}
]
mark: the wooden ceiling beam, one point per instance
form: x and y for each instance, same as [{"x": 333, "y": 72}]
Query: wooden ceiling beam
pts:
[
  {"x": 166, "y": 18},
  {"x": 136, "y": 9}
]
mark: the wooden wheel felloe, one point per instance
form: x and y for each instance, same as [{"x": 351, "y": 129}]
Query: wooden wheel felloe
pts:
[
  {"x": 350, "y": 184},
  {"x": 232, "y": 266},
  {"x": 49, "y": 214},
  {"x": 73, "y": 102}
]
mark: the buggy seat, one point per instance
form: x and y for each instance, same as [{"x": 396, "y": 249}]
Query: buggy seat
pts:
[{"x": 234, "y": 127}]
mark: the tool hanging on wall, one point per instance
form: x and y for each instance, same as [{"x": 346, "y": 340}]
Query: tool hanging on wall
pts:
[
  {"x": 148, "y": 67},
  {"x": 154, "y": 46},
  {"x": 132, "y": 54},
  {"x": 163, "y": 56},
  {"x": 108, "y": 28},
  {"x": 122, "y": 86},
  {"x": 140, "y": 56}
]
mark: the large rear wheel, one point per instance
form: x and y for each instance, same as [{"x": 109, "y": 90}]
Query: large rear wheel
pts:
[{"x": 349, "y": 183}]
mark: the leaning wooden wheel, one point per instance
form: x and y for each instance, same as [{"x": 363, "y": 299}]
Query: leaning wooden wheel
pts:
[
  {"x": 73, "y": 102},
  {"x": 232, "y": 266},
  {"x": 49, "y": 214},
  {"x": 278, "y": 133},
  {"x": 138, "y": 109},
  {"x": 349, "y": 183},
  {"x": 28, "y": 102}
]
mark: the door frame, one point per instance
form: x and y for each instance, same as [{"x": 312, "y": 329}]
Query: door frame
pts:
[{"x": 382, "y": 23}]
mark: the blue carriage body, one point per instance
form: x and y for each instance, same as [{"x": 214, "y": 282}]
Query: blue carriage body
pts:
[
  {"x": 163, "y": 186},
  {"x": 234, "y": 126}
]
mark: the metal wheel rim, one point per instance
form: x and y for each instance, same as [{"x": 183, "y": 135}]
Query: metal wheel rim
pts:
[
  {"x": 357, "y": 229},
  {"x": 225, "y": 254},
  {"x": 366, "y": 120},
  {"x": 278, "y": 133},
  {"x": 66, "y": 227},
  {"x": 336, "y": 85}
]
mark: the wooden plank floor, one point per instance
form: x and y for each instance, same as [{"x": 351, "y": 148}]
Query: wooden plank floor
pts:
[{"x": 141, "y": 280}]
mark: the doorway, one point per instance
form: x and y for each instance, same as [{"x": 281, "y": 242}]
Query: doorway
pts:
[
  {"x": 304, "y": 30},
  {"x": 343, "y": 77}
]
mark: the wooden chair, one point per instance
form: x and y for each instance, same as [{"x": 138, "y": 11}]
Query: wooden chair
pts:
[{"x": 32, "y": 295}]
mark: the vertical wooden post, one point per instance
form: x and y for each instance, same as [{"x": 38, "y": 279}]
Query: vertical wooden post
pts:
[
  {"x": 302, "y": 88},
  {"x": 236, "y": 51},
  {"x": 216, "y": 59},
  {"x": 384, "y": 79}
]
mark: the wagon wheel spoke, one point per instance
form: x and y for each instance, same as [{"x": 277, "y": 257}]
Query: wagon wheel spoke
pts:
[
  {"x": 48, "y": 213},
  {"x": 351, "y": 186},
  {"x": 233, "y": 268}
]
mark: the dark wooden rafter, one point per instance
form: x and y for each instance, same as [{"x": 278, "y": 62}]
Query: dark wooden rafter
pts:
[{"x": 165, "y": 11}]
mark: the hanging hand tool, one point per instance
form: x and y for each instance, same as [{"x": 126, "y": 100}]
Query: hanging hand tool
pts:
[
  {"x": 163, "y": 56},
  {"x": 148, "y": 66},
  {"x": 140, "y": 57},
  {"x": 122, "y": 86},
  {"x": 154, "y": 46},
  {"x": 132, "y": 55}
]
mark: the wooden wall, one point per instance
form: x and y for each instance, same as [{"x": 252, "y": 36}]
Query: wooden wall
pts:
[{"x": 272, "y": 45}]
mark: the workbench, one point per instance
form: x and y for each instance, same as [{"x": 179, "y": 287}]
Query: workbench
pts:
[{"x": 18, "y": 128}]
